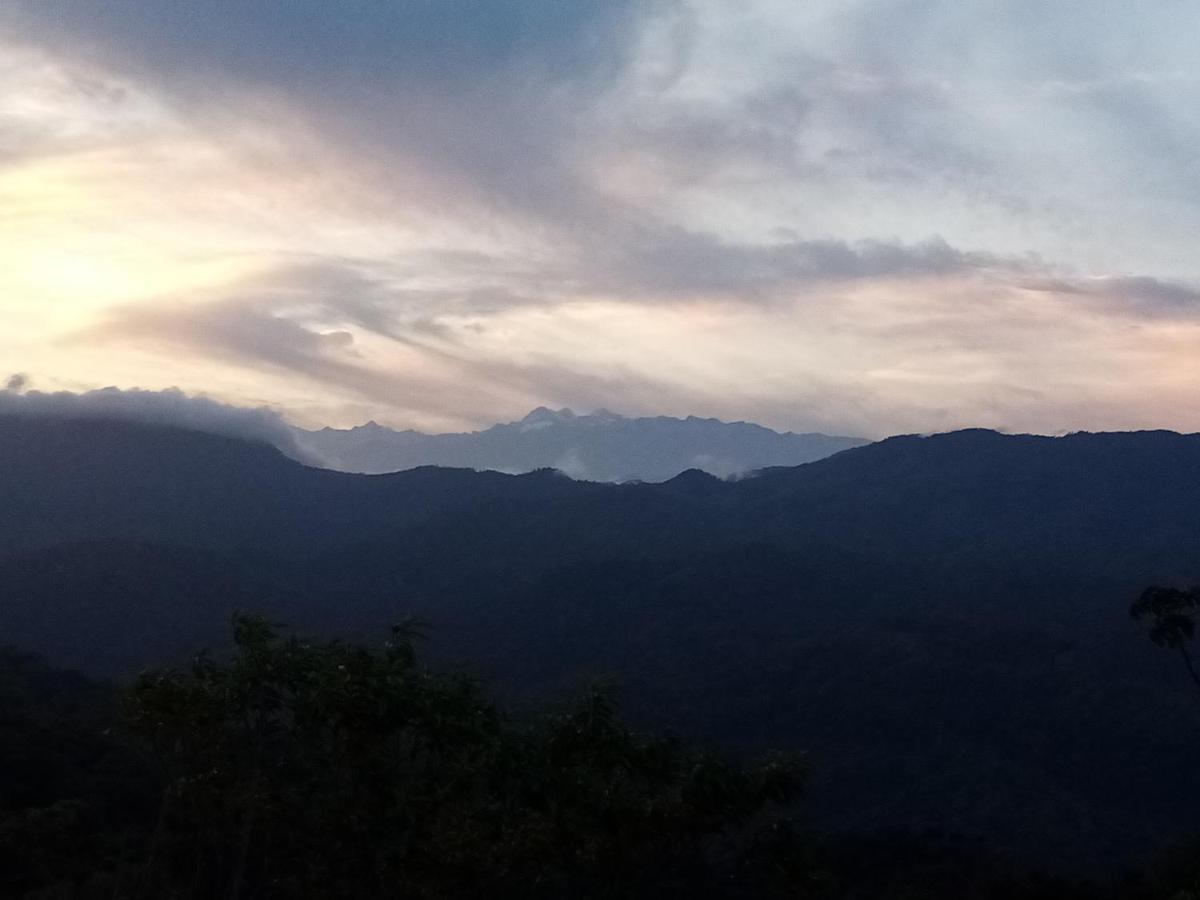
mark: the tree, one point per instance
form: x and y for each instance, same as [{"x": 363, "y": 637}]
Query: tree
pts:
[
  {"x": 301, "y": 768},
  {"x": 1172, "y": 615}
]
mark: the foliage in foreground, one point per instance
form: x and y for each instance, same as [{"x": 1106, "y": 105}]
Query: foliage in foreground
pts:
[
  {"x": 301, "y": 769},
  {"x": 1172, "y": 620}
]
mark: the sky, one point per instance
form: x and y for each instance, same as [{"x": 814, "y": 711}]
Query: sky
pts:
[{"x": 854, "y": 216}]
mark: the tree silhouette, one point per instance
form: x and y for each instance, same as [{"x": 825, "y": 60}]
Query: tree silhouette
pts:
[
  {"x": 299, "y": 768},
  {"x": 1172, "y": 616}
]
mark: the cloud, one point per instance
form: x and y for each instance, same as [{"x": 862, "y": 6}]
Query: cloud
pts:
[
  {"x": 686, "y": 264},
  {"x": 581, "y": 125},
  {"x": 168, "y": 407},
  {"x": 478, "y": 100},
  {"x": 464, "y": 208},
  {"x": 1154, "y": 292},
  {"x": 359, "y": 41},
  {"x": 857, "y": 337},
  {"x": 536, "y": 111},
  {"x": 572, "y": 465},
  {"x": 48, "y": 108},
  {"x": 419, "y": 370},
  {"x": 298, "y": 313},
  {"x": 316, "y": 320},
  {"x": 1133, "y": 296}
]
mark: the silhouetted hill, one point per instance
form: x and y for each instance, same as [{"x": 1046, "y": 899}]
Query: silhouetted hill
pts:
[
  {"x": 602, "y": 446},
  {"x": 1080, "y": 497},
  {"x": 940, "y": 620},
  {"x": 67, "y": 480}
]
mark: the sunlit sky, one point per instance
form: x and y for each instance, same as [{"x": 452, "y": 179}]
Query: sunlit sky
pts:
[{"x": 839, "y": 215}]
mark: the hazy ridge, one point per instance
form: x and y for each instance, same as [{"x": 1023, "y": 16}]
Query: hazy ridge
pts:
[{"x": 601, "y": 446}]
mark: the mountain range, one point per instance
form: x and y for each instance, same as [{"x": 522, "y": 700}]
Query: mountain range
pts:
[
  {"x": 602, "y": 446},
  {"x": 940, "y": 621}
]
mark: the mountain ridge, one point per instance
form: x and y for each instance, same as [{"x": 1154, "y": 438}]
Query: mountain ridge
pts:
[
  {"x": 600, "y": 446},
  {"x": 927, "y": 616}
]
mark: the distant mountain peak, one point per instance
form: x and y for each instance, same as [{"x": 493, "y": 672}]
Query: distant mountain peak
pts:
[
  {"x": 544, "y": 417},
  {"x": 596, "y": 446},
  {"x": 546, "y": 414}
]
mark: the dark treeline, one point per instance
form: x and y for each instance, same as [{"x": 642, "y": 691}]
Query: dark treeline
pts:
[{"x": 294, "y": 768}]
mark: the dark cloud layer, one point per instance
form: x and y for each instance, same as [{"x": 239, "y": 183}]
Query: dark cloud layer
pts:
[
  {"x": 481, "y": 97},
  {"x": 169, "y": 407},
  {"x": 681, "y": 263},
  {"x": 313, "y": 42},
  {"x": 1130, "y": 295}
]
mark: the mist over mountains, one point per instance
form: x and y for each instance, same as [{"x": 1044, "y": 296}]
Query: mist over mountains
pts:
[
  {"x": 941, "y": 621},
  {"x": 601, "y": 446},
  {"x": 170, "y": 407}
]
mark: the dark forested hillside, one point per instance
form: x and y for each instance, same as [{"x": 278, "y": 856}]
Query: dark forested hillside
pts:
[
  {"x": 940, "y": 621},
  {"x": 80, "y": 480},
  {"x": 296, "y": 767}
]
